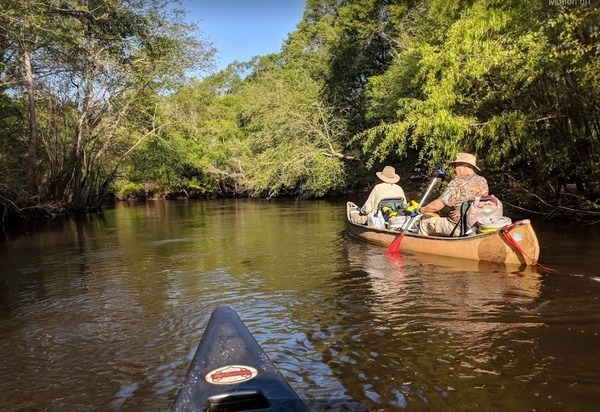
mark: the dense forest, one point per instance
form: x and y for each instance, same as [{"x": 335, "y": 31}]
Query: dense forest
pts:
[{"x": 118, "y": 99}]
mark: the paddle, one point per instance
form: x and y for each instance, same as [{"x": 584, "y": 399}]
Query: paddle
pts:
[{"x": 394, "y": 247}]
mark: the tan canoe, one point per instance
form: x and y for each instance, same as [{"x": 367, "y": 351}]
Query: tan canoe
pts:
[{"x": 516, "y": 244}]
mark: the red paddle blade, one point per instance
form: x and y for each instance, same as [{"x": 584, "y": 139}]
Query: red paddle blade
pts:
[{"x": 394, "y": 247}]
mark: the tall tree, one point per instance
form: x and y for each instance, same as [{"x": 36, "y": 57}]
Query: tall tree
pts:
[
  {"x": 295, "y": 138},
  {"x": 21, "y": 25},
  {"x": 350, "y": 41},
  {"x": 101, "y": 67},
  {"x": 510, "y": 80},
  {"x": 202, "y": 147}
]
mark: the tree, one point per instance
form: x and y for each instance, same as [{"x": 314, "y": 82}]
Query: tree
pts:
[
  {"x": 101, "y": 68},
  {"x": 510, "y": 81},
  {"x": 21, "y": 23},
  {"x": 346, "y": 43},
  {"x": 202, "y": 147},
  {"x": 295, "y": 139}
]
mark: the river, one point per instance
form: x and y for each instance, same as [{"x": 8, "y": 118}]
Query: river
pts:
[{"x": 105, "y": 312}]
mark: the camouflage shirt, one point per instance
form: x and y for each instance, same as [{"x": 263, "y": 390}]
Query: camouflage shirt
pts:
[{"x": 460, "y": 189}]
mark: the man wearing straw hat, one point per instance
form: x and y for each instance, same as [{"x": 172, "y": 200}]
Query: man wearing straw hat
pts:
[
  {"x": 466, "y": 183},
  {"x": 388, "y": 188}
]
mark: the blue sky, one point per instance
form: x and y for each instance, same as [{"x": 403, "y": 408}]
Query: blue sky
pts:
[{"x": 242, "y": 29}]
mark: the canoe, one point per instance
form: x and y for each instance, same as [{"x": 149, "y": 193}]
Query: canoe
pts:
[
  {"x": 514, "y": 244},
  {"x": 231, "y": 372}
]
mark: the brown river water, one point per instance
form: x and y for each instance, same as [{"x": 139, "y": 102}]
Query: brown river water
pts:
[{"x": 105, "y": 313}]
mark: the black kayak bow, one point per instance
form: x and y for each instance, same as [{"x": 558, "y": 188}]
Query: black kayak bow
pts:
[{"x": 231, "y": 372}]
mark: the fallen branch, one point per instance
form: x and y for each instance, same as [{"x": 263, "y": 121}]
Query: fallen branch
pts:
[
  {"x": 15, "y": 207},
  {"x": 557, "y": 210}
]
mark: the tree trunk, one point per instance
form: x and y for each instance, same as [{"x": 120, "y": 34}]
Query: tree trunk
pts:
[
  {"x": 79, "y": 194},
  {"x": 32, "y": 163}
]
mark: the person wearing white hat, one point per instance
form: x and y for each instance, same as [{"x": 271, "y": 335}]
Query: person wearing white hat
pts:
[
  {"x": 388, "y": 188},
  {"x": 466, "y": 183}
]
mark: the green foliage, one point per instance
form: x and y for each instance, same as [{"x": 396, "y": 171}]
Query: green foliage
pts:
[
  {"x": 201, "y": 146},
  {"x": 98, "y": 69},
  {"x": 505, "y": 80},
  {"x": 360, "y": 83},
  {"x": 293, "y": 170},
  {"x": 128, "y": 190},
  {"x": 343, "y": 43},
  {"x": 13, "y": 144},
  {"x": 294, "y": 138}
]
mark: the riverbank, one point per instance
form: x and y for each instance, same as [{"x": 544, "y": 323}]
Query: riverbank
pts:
[{"x": 517, "y": 201}]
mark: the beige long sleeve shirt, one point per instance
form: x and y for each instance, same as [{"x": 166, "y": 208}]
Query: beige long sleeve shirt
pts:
[{"x": 379, "y": 192}]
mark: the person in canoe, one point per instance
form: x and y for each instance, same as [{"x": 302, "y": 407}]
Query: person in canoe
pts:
[
  {"x": 466, "y": 183},
  {"x": 388, "y": 188}
]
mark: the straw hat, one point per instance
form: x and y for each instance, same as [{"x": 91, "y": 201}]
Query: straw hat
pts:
[
  {"x": 388, "y": 175},
  {"x": 466, "y": 158}
]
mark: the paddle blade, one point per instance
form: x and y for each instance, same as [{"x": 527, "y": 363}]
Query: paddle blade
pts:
[{"x": 394, "y": 247}]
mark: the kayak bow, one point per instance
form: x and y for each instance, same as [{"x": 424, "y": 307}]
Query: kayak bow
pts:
[{"x": 231, "y": 372}]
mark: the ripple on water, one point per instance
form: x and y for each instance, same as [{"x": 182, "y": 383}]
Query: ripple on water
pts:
[{"x": 111, "y": 320}]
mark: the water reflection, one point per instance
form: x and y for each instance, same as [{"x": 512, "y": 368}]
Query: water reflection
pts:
[{"x": 446, "y": 324}]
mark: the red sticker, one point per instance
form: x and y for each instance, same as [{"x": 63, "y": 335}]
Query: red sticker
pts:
[{"x": 231, "y": 374}]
